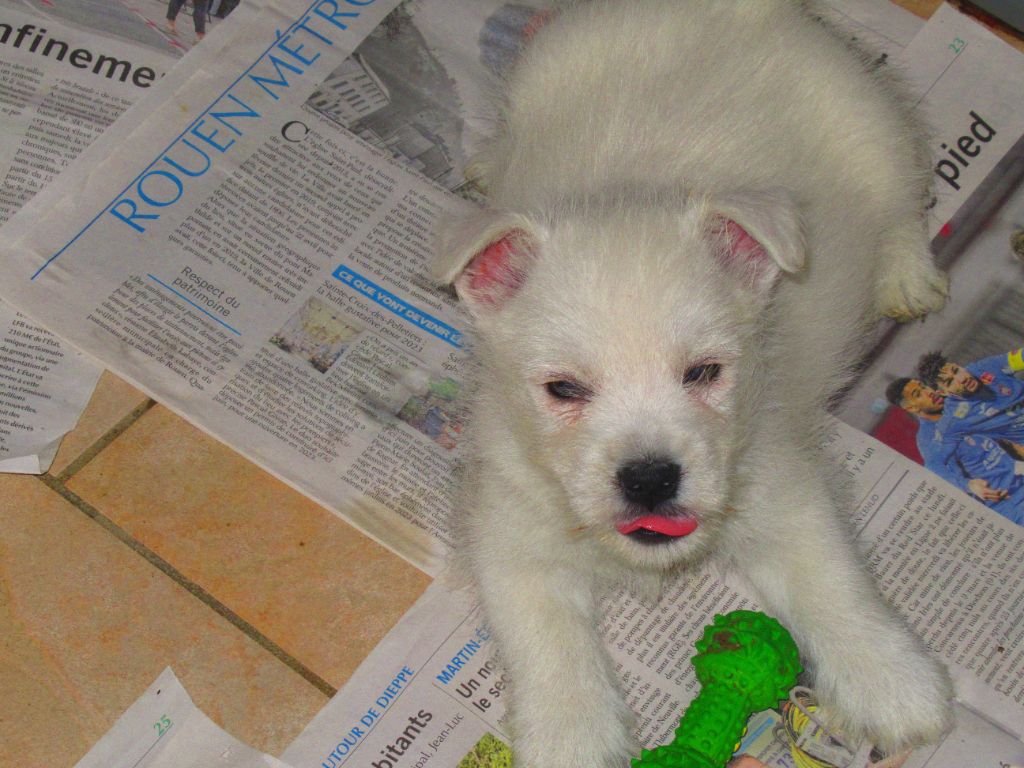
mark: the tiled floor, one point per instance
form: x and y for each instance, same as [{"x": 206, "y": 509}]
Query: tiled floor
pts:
[{"x": 149, "y": 544}]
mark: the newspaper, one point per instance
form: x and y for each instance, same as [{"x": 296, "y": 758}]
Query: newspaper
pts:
[
  {"x": 59, "y": 89},
  {"x": 165, "y": 729},
  {"x": 432, "y": 692},
  {"x": 262, "y": 271},
  {"x": 967, "y": 82}
]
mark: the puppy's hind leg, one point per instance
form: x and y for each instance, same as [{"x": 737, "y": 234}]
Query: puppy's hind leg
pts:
[{"x": 909, "y": 283}]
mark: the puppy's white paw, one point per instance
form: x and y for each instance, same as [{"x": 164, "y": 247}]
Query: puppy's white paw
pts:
[
  {"x": 896, "y": 703},
  {"x": 912, "y": 290},
  {"x": 583, "y": 734}
]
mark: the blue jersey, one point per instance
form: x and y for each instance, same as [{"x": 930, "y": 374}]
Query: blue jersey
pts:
[
  {"x": 996, "y": 373},
  {"x": 961, "y": 459},
  {"x": 996, "y": 410}
]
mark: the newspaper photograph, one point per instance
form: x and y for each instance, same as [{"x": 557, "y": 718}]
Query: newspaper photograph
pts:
[
  {"x": 421, "y": 86},
  {"x": 60, "y": 88},
  {"x": 143, "y": 23}
]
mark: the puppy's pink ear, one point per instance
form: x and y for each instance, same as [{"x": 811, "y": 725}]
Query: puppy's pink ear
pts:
[
  {"x": 760, "y": 235},
  {"x": 486, "y": 256}
]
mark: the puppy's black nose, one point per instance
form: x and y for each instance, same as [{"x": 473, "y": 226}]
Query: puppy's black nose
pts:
[{"x": 649, "y": 482}]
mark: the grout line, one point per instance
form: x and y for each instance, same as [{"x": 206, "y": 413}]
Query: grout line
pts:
[
  {"x": 108, "y": 437},
  {"x": 196, "y": 590}
]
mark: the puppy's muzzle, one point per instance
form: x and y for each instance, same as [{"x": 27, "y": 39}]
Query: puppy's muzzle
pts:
[{"x": 649, "y": 486}]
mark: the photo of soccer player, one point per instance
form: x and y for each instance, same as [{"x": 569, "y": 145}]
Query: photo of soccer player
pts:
[{"x": 970, "y": 425}]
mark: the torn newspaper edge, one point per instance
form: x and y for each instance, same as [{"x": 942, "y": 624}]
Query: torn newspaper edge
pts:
[{"x": 165, "y": 729}]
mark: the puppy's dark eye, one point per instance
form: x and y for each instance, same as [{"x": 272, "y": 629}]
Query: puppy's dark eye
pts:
[
  {"x": 567, "y": 390},
  {"x": 705, "y": 373}
]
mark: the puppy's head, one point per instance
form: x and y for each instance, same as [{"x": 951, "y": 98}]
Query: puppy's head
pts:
[{"x": 620, "y": 339}]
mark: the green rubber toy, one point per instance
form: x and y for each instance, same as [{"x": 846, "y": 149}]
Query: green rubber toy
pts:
[{"x": 745, "y": 663}]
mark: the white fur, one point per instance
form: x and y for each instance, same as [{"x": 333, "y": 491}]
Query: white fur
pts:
[{"x": 632, "y": 131}]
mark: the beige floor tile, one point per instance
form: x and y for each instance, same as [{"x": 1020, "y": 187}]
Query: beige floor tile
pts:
[
  {"x": 112, "y": 401},
  {"x": 922, "y": 8},
  {"x": 86, "y": 624},
  {"x": 315, "y": 586}
]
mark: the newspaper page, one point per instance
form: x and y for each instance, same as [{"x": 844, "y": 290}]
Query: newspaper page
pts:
[
  {"x": 950, "y": 565},
  {"x": 433, "y": 691},
  {"x": 165, "y": 729},
  {"x": 973, "y": 87},
  {"x": 263, "y": 272},
  {"x": 59, "y": 89},
  {"x": 968, "y": 83},
  {"x": 44, "y": 385}
]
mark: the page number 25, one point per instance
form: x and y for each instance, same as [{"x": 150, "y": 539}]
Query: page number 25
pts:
[
  {"x": 958, "y": 44},
  {"x": 162, "y": 725}
]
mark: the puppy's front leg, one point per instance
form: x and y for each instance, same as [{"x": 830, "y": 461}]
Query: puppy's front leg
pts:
[
  {"x": 565, "y": 710},
  {"x": 876, "y": 678}
]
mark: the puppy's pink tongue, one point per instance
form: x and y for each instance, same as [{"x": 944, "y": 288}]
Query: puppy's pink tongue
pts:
[{"x": 668, "y": 526}]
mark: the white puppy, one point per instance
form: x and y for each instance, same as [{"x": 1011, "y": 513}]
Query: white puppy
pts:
[{"x": 695, "y": 209}]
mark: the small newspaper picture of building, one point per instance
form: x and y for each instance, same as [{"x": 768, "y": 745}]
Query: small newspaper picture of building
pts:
[{"x": 317, "y": 334}]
